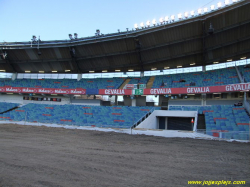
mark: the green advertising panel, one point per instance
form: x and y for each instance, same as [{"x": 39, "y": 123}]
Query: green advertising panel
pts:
[
  {"x": 141, "y": 86},
  {"x": 138, "y": 91}
]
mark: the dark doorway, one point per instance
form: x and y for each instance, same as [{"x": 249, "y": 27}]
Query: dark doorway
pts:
[
  {"x": 162, "y": 123},
  {"x": 180, "y": 123}
]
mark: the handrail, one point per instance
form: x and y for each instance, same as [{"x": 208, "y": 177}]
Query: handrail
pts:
[
  {"x": 142, "y": 118},
  {"x": 239, "y": 74},
  {"x": 246, "y": 106}
]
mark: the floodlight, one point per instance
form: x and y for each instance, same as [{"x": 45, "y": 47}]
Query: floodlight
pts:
[
  {"x": 142, "y": 24},
  {"x": 186, "y": 14},
  {"x": 136, "y": 26},
  {"x": 205, "y": 10},
  {"x": 219, "y": 4},
  {"x": 161, "y": 20},
  {"x": 70, "y": 36},
  {"x": 33, "y": 38},
  {"x": 180, "y": 16},
  {"x": 192, "y": 13},
  {"x": 154, "y": 22},
  {"x": 172, "y": 17},
  {"x": 212, "y": 7},
  {"x": 148, "y": 23},
  {"x": 75, "y": 35},
  {"x": 199, "y": 11},
  {"x": 166, "y": 18},
  {"x": 97, "y": 32},
  {"x": 226, "y": 2}
]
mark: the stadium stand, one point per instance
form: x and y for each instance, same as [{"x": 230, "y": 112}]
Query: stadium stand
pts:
[
  {"x": 197, "y": 79},
  {"x": 80, "y": 115},
  {"x": 139, "y": 80},
  {"x": 233, "y": 121}
]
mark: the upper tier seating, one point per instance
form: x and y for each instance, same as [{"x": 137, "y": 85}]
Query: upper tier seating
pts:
[
  {"x": 222, "y": 118},
  {"x": 245, "y": 73},
  {"x": 98, "y": 83},
  {"x": 7, "y": 106},
  {"x": 81, "y": 115},
  {"x": 139, "y": 80},
  {"x": 197, "y": 79}
]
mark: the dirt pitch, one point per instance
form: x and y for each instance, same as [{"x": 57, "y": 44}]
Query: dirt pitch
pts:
[{"x": 45, "y": 156}]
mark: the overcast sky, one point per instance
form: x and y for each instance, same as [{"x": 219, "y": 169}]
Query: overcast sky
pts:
[{"x": 55, "y": 19}]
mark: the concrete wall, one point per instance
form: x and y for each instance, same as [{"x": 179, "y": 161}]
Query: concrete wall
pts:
[
  {"x": 95, "y": 102},
  {"x": 183, "y": 102},
  {"x": 222, "y": 102},
  {"x": 19, "y": 99},
  {"x": 140, "y": 100},
  {"x": 162, "y": 98},
  {"x": 152, "y": 121},
  {"x": 127, "y": 101}
]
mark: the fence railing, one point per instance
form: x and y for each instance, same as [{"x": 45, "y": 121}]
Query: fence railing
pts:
[{"x": 246, "y": 105}]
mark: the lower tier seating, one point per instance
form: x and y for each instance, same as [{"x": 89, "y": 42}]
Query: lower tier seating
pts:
[
  {"x": 232, "y": 121},
  {"x": 80, "y": 115},
  {"x": 7, "y": 106}
]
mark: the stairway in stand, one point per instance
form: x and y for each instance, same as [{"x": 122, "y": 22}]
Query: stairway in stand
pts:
[
  {"x": 150, "y": 82},
  {"x": 124, "y": 83}
]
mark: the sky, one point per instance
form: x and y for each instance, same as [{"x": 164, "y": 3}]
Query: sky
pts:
[{"x": 55, "y": 19}]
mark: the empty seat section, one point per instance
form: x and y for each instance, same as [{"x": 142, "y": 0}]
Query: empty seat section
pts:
[
  {"x": 197, "y": 79},
  {"x": 232, "y": 121},
  {"x": 81, "y": 115}
]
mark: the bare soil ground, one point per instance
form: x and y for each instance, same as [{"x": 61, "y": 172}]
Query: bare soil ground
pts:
[{"x": 43, "y": 156}]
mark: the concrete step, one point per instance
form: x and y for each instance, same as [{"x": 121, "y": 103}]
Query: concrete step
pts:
[{"x": 150, "y": 82}]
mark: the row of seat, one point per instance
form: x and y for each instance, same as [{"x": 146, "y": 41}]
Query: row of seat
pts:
[
  {"x": 197, "y": 79},
  {"x": 81, "y": 115},
  {"x": 98, "y": 83}
]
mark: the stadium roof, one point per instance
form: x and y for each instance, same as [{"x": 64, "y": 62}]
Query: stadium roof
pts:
[{"x": 182, "y": 43}]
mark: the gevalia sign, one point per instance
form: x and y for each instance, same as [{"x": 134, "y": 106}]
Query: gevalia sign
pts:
[
  {"x": 198, "y": 90},
  {"x": 115, "y": 92}
]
